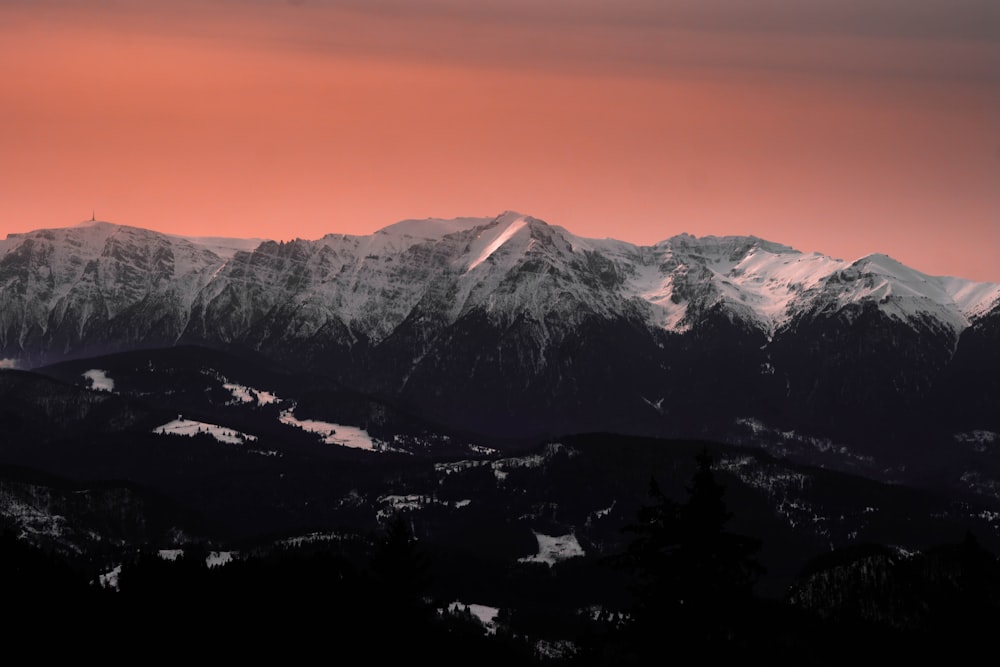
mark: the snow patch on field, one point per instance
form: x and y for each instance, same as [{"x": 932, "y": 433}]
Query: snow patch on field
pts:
[
  {"x": 213, "y": 559},
  {"x": 188, "y": 427},
  {"x": 244, "y": 394},
  {"x": 240, "y": 393},
  {"x": 110, "y": 578},
  {"x": 218, "y": 558},
  {"x": 554, "y": 548},
  {"x": 332, "y": 434},
  {"x": 99, "y": 380},
  {"x": 483, "y": 613}
]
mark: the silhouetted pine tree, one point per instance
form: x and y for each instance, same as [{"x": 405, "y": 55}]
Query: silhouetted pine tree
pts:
[
  {"x": 401, "y": 570},
  {"x": 719, "y": 567},
  {"x": 401, "y": 578},
  {"x": 693, "y": 579}
]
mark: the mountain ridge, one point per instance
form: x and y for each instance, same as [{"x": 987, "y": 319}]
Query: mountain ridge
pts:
[
  {"x": 753, "y": 266},
  {"x": 515, "y": 326}
]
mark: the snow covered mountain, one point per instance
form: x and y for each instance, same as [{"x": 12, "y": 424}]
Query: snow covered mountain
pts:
[{"x": 514, "y": 326}]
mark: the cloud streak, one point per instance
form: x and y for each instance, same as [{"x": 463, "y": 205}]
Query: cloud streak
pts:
[{"x": 930, "y": 39}]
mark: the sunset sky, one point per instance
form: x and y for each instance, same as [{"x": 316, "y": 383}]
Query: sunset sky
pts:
[{"x": 846, "y": 127}]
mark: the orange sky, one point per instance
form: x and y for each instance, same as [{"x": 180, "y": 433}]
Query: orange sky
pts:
[{"x": 846, "y": 129}]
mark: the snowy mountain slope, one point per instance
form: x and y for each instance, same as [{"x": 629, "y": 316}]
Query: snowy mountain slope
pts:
[
  {"x": 369, "y": 284},
  {"x": 901, "y": 292},
  {"x": 973, "y": 299},
  {"x": 94, "y": 286}
]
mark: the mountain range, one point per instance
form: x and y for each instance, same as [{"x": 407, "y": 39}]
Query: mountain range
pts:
[{"x": 514, "y": 327}]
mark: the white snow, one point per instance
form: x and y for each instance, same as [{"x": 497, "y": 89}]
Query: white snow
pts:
[
  {"x": 189, "y": 427},
  {"x": 394, "y": 503},
  {"x": 397, "y": 503},
  {"x": 656, "y": 405},
  {"x": 600, "y": 514},
  {"x": 408, "y": 502},
  {"x": 332, "y": 434},
  {"x": 99, "y": 380},
  {"x": 311, "y": 538},
  {"x": 110, "y": 578},
  {"x": 657, "y": 289},
  {"x": 554, "y": 548},
  {"x": 487, "y": 615},
  {"x": 771, "y": 281},
  {"x": 900, "y": 291},
  {"x": 758, "y": 279},
  {"x": 240, "y": 393},
  {"x": 484, "y": 614},
  {"x": 213, "y": 559},
  {"x": 973, "y": 299},
  {"x": 490, "y": 241},
  {"x": 266, "y": 397},
  {"x": 218, "y": 558},
  {"x": 243, "y": 394}
]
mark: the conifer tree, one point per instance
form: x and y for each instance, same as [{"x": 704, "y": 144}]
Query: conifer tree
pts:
[
  {"x": 693, "y": 578},
  {"x": 400, "y": 568}
]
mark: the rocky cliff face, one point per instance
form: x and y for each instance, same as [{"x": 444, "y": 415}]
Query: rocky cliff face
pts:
[{"x": 76, "y": 291}]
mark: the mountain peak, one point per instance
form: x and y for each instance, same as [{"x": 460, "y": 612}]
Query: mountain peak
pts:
[{"x": 504, "y": 228}]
